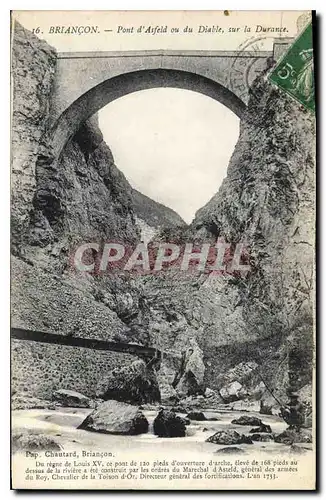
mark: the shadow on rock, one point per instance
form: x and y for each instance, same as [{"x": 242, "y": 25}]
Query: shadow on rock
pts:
[
  {"x": 134, "y": 383},
  {"x": 229, "y": 437},
  {"x": 262, "y": 428},
  {"x": 168, "y": 424},
  {"x": 290, "y": 436}
]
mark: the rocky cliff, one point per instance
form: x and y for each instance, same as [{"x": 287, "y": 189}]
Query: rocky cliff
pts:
[
  {"x": 267, "y": 201},
  {"x": 33, "y": 70},
  {"x": 82, "y": 197}
]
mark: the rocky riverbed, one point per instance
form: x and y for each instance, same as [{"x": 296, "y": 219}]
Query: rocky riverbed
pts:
[{"x": 62, "y": 424}]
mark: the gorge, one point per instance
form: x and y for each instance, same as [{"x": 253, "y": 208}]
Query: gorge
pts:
[{"x": 217, "y": 334}]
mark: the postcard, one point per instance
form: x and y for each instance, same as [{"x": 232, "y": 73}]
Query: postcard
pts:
[{"x": 163, "y": 170}]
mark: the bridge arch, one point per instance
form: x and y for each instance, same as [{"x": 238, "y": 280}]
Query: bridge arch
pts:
[{"x": 102, "y": 94}]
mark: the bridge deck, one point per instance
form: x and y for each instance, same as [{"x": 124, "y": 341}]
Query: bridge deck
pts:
[{"x": 167, "y": 53}]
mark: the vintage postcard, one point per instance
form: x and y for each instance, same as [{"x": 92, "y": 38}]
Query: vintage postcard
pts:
[{"x": 163, "y": 250}]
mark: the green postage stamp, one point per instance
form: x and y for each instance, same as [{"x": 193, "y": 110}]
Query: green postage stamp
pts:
[{"x": 295, "y": 72}]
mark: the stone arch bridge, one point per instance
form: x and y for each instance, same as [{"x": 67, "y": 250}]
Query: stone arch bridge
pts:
[{"x": 86, "y": 82}]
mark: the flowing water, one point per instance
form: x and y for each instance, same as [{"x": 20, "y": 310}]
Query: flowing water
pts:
[{"x": 62, "y": 424}]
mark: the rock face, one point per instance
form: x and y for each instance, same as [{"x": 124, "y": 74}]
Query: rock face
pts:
[
  {"x": 189, "y": 381},
  {"x": 196, "y": 415},
  {"x": 213, "y": 398},
  {"x": 102, "y": 207},
  {"x": 46, "y": 201},
  {"x": 33, "y": 70},
  {"x": 267, "y": 200},
  {"x": 266, "y": 408},
  {"x": 261, "y": 437},
  {"x": 290, "y": 436},
  {"x": 134, "y": 383},
  {"x": 72, "y": 398},
  {"x": 55, "y": 205},
  {"x": 152, "y": 216},
  {"x": 262, "y": 428},
  {"x": 168, "y": 424},
  {"x": 246, "y": 420},
  {"x": 113, "y": 417},
  {"x": 240, "y": 382},
  {"x": 232, "y": 392},
  {"x": 165, "y": 377},
  {"x": 229, "y": 437}
]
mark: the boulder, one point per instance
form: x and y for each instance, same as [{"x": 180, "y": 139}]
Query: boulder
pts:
[
  {"x": 269, "y": 405},
  {"x": 262, "y": 437},
  {"x": 213, "y": 399},
  {"x": 134, "y": 383},
  {"x": 229, "y": 437},
  {"x": 25, "y": 440},
  {"x": 196, "y": 415},
  {"x": 189, "y": 380},
  {"x": 115, "y": 417},
  {"x": 168, "y": 424},
  {"x": 72, "y": 399},
  {"x": 262, "y": 428},
  {"x": 193, "y": 402},
  {"x": 191, "y": 431},
  {"x": 232, "y": 392},
  {"x": 246, "y": 420},
  {"x": 241, "y": 381},
  {"x": 168, "y": 393},
  {"x": 290, "y": 436}
]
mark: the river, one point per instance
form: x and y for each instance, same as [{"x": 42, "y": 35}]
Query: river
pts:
[{"x": 62, "y": 424}]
